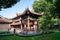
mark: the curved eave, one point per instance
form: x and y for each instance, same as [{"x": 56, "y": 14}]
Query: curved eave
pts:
[
  {"x": 26, "y": 12},
  {"x": 15, "y": 23},
  {"x": 3, "y": 21}
]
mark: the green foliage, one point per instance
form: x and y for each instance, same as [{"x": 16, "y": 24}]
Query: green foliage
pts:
[
  {"x": 57, "y": 9},
  {"x": 43, "y": 6},
  {"x": 45, "y": 21},
  {"x": 39, "y": 6},
  {"x": 49, "y": 7},
  {"x": 53, "y": 6},
  {"x": 55, "y": 20},
  {"x": 7, "y": 3}
]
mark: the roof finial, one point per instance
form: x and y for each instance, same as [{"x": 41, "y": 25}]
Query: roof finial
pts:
[{"x": 27, "y": 8}]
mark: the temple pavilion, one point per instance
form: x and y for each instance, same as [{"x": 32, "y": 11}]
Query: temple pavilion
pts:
[{"x": 26, "y": 21}]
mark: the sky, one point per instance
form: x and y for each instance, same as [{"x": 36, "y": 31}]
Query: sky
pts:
[{"x": 17, "y": 8}]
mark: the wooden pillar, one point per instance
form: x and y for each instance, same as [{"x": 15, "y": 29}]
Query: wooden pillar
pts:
[
  {"x": 21, "y": 22},
  {"x": 38, "y": 28},
  {"x": 35, "y": 25},
  {"x": 25, "y": 27},
  {"x": 21, "y": 26},
  {"x": 28, "y": 24}
]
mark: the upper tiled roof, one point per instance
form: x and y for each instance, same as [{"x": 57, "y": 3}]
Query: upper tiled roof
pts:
[
  {"x": 4, "y": 20},
  {"x": 26, "y": 12}
]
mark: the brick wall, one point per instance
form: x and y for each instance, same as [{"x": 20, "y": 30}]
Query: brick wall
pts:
[{"x": 4, "y": 26}]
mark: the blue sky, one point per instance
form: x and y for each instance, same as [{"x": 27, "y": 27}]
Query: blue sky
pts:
[{"x": 18, "y": 8}]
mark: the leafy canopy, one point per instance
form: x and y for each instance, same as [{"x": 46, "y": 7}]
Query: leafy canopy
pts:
[
  {"x": 7, "y": 3},
  {"x": 52, "y": 6},
  {"x": 49, "y": 7}
]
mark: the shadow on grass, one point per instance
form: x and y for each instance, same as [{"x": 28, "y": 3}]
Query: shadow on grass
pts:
[
  {"x": 34, "y": 35},
  {"x": 7, "y": 34}
]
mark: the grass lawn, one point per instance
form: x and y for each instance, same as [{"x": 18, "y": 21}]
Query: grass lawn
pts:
[
  {"x": 52, "y": 36},
  {"x": 3, "y": 32}
]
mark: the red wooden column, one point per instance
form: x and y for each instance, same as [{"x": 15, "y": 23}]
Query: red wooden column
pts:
[
  {"x": 21, "y": 22},
  {"x": 28, "y": 23},
  {"x": 35, "y": 25}
]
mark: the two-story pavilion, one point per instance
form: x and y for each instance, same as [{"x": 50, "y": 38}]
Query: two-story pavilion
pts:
[{"x": 27, "y": 21}]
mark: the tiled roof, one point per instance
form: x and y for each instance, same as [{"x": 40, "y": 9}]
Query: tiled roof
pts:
[
  {"x": 4, "y": 20},
  {"x": 27, "y": 10}
]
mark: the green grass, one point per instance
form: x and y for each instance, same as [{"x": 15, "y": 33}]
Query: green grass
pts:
[
  {"x": 51, "y": 36},
  {"x": 3, "y": 32}
]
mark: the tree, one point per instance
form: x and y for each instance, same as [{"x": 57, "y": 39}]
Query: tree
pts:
[
  {"x": 39, "y": 6},
  {"x": 57, "y": 9},
  {"x": 42, "y": 6},
  {"x": 49, "y": 5},
  {"x": 7, "y": 3},
  {"x": 50, "y": 9}
]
